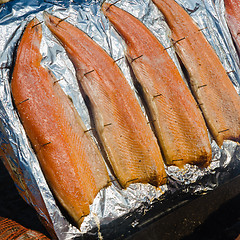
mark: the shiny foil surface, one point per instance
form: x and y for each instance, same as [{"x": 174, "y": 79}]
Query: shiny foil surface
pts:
[{"x": 113, "y": 208}]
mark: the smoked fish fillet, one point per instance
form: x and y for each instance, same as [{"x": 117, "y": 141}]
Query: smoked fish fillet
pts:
[
  {"x": 126, "y": 136},
  {"x": 209, "y": 81},
  {"x": 232, "y": 15},
  {"x": 178, "y": 122},
  {"x": 70, "y": 160}
]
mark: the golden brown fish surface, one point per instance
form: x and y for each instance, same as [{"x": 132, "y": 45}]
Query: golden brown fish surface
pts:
[
  {"x": 178, "y": 122},
  {"x": 70, "y": 160},
  {"x": 209, "y": 81},
  {"x": 233, "y": 20},
  {"x": 127, "y": 138}
]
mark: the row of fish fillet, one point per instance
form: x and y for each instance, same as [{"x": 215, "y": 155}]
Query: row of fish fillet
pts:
[{"x": 71, "y": 162}]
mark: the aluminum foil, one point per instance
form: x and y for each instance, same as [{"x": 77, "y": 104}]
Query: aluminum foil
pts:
[{"x": 115, "y": 212}]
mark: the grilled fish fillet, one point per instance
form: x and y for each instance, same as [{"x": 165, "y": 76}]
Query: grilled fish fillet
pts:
[
  {"x": 178, "y": 122},
  {"x": 127, "y": 138},
  {"x": 209, "y": 81},
  {"x": 233, "y": 20},
  {"x": 70, "y": 160}
]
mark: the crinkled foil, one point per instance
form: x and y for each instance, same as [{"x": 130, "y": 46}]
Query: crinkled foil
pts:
[{"x": 115, "y": 212}]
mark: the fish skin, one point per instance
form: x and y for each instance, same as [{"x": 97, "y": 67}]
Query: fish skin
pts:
[
  {"x": 70, "y": 160},
  {"x": 232, "y": 8},
  {"x": 127, "y": 138},
  {"x": 209, "y": 81},
  {"x": 178, "y": 122}
]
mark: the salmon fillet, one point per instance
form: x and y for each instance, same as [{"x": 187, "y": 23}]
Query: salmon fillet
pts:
[
  {"x": 126, "y": 136},
  {"x": 70, "y": 160},
  {"x": 209, "y": 81},
  {"x": 232, "y": 8},
  {"x": 177, "y": 120}
]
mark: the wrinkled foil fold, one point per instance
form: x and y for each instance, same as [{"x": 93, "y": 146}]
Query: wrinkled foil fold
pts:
[{"x": 111, "y": 203}]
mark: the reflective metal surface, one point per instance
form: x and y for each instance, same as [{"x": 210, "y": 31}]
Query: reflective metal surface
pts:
[{"x": 113, "y": 202}]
